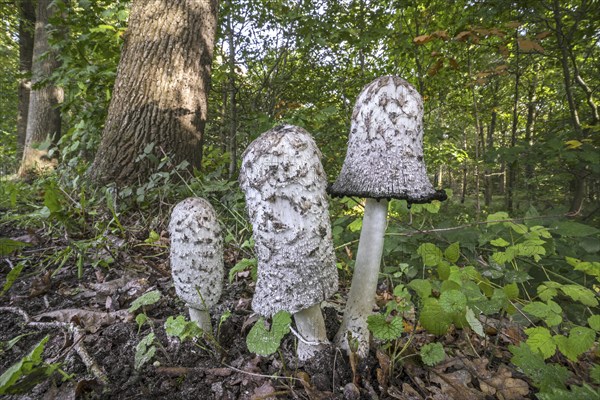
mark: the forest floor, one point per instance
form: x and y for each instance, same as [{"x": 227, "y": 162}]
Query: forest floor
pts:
[{"x": 94, "y": 337}]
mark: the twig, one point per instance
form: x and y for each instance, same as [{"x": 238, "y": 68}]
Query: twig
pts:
[
  {"x": 78, "y": 336},
  {"x": 260, "y": 375}
]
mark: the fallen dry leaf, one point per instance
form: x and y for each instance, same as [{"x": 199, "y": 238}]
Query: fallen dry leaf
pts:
[{"x": 263, "y": 392}]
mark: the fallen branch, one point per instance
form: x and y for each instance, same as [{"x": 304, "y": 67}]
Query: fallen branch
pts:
[{"x": 78, "y": 336}]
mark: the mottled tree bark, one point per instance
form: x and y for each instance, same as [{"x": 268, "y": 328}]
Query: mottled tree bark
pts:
[
  {"x": 161, "y": 90},
  {"x": 26, "y": 26},
  {"x": 43, "y": 120}
]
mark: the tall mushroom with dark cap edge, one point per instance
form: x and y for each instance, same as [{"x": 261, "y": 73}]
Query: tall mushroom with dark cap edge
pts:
[
  {"x": 197, "y": 257},
  {"x": 285, "y": 187},
  {"x": 384, "y": 160}
]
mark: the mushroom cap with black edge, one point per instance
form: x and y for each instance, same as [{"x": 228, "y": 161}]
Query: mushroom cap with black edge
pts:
[
  {"x": 384, "y": 159},
  {"x": 285, "y": 188},
  {"x": 196, "y": 253}
]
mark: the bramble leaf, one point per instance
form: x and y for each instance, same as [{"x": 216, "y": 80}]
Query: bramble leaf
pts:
[{"x": 539, "y": 339}]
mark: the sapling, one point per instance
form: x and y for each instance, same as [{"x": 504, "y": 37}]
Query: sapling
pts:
[
  {"x": 197, "y": 257},
  {"x": 285, "y": 187},
  {"x": 384, "y": 160}
]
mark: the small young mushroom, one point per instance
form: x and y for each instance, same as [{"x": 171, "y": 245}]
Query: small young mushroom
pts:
[
  {"x": 197, "y": 257},
  {"x": 285, "y": 187},
  {"x": 384, "y": 160}
]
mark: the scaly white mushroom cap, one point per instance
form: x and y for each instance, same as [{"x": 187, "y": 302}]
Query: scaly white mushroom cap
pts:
[
  {"x": 196, "y": 253},
  {"x": 285, "y": 188},
  {"x": 385, "y": 147}
]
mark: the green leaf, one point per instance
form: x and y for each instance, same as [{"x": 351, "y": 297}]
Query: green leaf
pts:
[
  {"x": 539, "y": 339},
  {"x": 589, "y": 267},
  {"x": 581, "y": 294},
  {"x": 144, "y": 351},
  {"x": 22, "y": 368},
  {"x": 595, "y": 374},
  {"x": 453, "y": 302},
  {"x": 452, "y": 252},
  {"x": 575, "y": 229},
  {"x": 430, "y": 254},
  {"x": 433, "y": 318},
  {"x": 544, "y": 376},
  {"x": 11, "y": 277},
  {"x": 355, "y": 225},
  {"x": 421, "y": 286},
  {"x": 580, "y": 340},
  {"x": 383, "y": 328},
  {"x": 594, "y": 322},
  {"x": 518, "y": 228},
  {"x": 548, "y": 290},
  {"x": 499, "y": 242},
  {"x": 263, "y": 341},
  {"x": 141, "y": 319},
  {"x": 511, "y": 290},
  {"x": 432, "y": 354},
  {"x": 242, "y": 265},
  {"x": 550, "y": 313},
  {"x": 499, "y": 216},
  {"x": 181, "y": 328},
  {"x": 474, "y": 322},
  {"x": 52, "y": 199},
  {"x": 144, "y": 300},
  {"x": 9, "y": 246}
]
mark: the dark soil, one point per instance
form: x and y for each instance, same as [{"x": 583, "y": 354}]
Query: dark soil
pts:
[{"x": 221, "y": 368}]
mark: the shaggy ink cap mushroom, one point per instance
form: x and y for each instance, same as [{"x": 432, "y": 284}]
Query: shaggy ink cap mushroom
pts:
[
  {"x": 384, "y": 159},
  {"x": 197, "y": 257},
  {"x": 285, "y": 188}
]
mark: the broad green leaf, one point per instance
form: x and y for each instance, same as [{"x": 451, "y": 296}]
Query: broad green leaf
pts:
[
  {"x": 52, "y": 199},
  {"x": 511, "y": 290},
  {"x": 518, "y": 228},
  {"x": 581, "y": 294},
  {"x": 432, "y": 354},
  {"x": 453, "y": 302},
  {"x": 383, "y": 328},
  {"x": 452, "y": 252},
  {"x": 540, "y": 339},
  {"x": 594, "y": 322},
  {"x": 430, "y": 254},
  {"x": 589, "y": 267},
  {"x": 433, "y": 318},
  {"x": 182, "y": 328},
  {"x": 242, "y": 265},
  {"x": 355, "y": 225},
  {"x": 499, "y": 216},
  {"x": 263, "y": 341},
  {"x": 421, "y": 286},
  {"x": 595, "y": 374},
  {"x": 144, "y": 300},
  {"x": 575, "y": 229},
  {"x": 474, "y": 322},
  {"x": 550, "y": 313},
  {"x": 547, "y": 290},
  {"x": 499, "y": 242},
  {"x": 580, "y": 340},
  {"x": 544, "y": 376}
]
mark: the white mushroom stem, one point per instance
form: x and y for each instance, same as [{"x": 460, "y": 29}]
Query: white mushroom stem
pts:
[
  {"x": 361, "y": 298},
  {"x": 201, "y": 318},
  {"x": 312, "y": 335}
]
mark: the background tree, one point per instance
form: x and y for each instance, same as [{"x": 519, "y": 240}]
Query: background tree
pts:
[
  {"x": 43, "y": 117},
  {"x": 160, "y": 96},
  {"x": 26, "y": 27}
]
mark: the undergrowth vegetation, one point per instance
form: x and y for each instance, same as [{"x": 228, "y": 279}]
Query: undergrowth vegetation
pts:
[{"x": 443, "y": 273}]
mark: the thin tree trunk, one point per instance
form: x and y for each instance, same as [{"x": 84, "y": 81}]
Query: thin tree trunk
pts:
[
  {"x": 512, "y": 169},
  {"x": 43, "y": 120},
  {"x": 489, "y": 182},
  {"x": 529, "y": 132},
  {"x": 159, "y": 102},
  {"x": 26, "y": 27},
  {"x": 232, "y": 143},
  {"x": 578, "y": 181}
]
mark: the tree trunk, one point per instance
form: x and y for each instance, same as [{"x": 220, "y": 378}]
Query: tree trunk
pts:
[
  {"x": 232, "y": 143},
  {"x": 512, "y": 168},
  {"x": 161, "y": 91},
  {"x": 43, "y": 120},
  {"x": 489, "y": 182},
  {"x": 26, "y": 27},
  {"x": 529, "y": 133}
]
